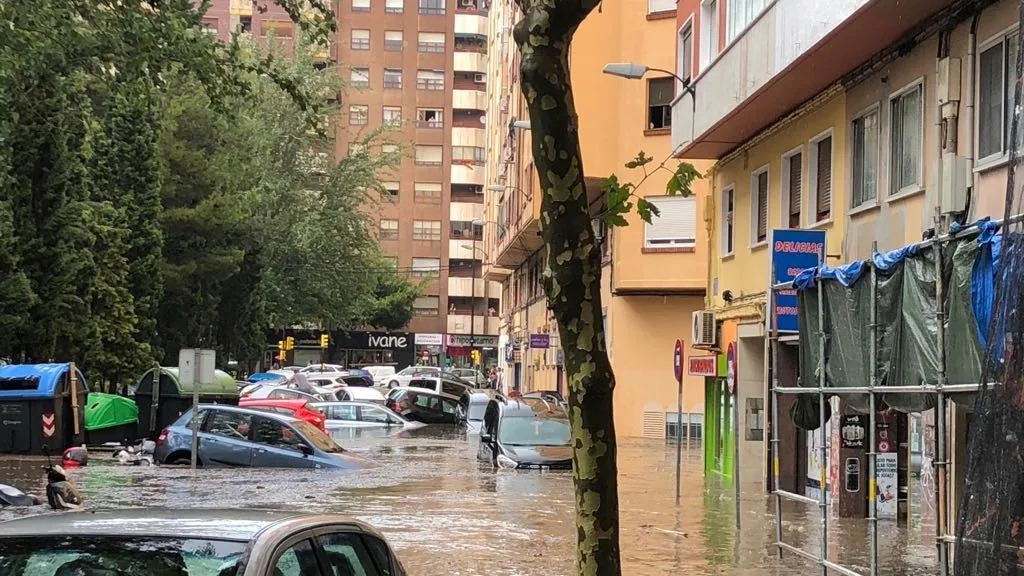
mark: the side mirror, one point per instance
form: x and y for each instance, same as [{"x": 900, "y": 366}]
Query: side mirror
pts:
[{"x": 306, "y": 450}]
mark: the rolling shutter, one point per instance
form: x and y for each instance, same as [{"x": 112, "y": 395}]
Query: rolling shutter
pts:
[
  {"x": 677, "y": 224},
  {"x": 824, "y": 191},
  {"x": 796, "y": 164}
]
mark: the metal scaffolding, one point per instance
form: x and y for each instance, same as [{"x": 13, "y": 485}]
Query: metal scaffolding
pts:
[{"x": 940, "y": 389}]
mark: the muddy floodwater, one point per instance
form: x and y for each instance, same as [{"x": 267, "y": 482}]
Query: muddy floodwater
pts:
[{"x": 445, "y": 513}]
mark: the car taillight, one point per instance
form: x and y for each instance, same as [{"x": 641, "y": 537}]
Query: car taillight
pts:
[{"x": 163, "y": 436}]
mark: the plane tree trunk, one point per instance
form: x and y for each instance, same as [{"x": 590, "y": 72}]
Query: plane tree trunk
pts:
[{"x": 573, "y": 278}]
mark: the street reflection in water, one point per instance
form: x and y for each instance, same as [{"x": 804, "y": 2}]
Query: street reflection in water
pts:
[{"x": 446, "y": 513}]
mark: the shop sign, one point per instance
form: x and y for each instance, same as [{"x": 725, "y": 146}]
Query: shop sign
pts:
[
  {"x": 480, "y": 340},
  {"x": 793, "y": 251},
  {"x": 428, "y": 339},
  {"x": 852, "y": 431},
  {"x": 540, "y": 341},
  {"x": 703, "y": 366},
  {"x": 388, "y": 341}
]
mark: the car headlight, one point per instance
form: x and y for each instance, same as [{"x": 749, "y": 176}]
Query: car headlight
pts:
[{"x": 506, "y": 462}]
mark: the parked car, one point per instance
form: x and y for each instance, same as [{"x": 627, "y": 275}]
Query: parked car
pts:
[
  {"x": 199, "y": 542},
  {"x": 550, "y": 396},
  {"x": 266, "y": 377},
  {"x": 452, "y": 387},
  {"x": 405, "y": 376},
  {"x": 232, "y": 436},
  {"x": 362, "y": 415},
  {"x": 526, "y": 433},
  {"x": 285, "y": 392},
  {"x": 358, "y": 394},
  {"x": 424, "y": 406},
  {"x": 471, "y": 375},
  {"x": 342, "y": 378},
  {"x": 314, "y": 368},
  {"x": 380, "y": 374},
  {"x": 472, "y": 406},
  {"x": 296, "y": 408}
]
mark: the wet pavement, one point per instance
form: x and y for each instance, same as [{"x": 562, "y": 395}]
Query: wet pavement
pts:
[{"x": 445, "y": 513}]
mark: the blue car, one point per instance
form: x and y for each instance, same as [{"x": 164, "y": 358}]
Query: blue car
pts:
[{"x": 237, "y": 437}]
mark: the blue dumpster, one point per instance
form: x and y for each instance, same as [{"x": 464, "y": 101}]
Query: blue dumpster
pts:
[{"x": 38, "y": 408}]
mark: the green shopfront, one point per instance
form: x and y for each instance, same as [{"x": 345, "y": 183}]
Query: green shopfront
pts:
[{"x": 719, "y": 425}]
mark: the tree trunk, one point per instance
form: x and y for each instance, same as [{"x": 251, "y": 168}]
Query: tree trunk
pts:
[{"x": 573, "y": 278}]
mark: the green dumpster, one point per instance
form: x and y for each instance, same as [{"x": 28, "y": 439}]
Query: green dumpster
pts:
[
  {"x": 110, "y": 418},
  {"x": 161, "y": 407}
]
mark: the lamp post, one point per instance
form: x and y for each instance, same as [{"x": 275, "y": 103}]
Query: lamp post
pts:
[
  {"x": 632, "y": 71},
  {"x": 472, "y": 307}
]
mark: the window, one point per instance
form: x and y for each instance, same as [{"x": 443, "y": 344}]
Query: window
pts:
[
  {"x": 906, "y": 123},
  {"x": 429, "y": 80},
  {"x": 659, "y": 103},
  {"x": 469, "y": 154},
  {"x": 428, "y": 155},
  {"x": 689, "y": 428},
  {"x": 677, "y": 224},
  {"x": 245, "y": 24},
  {"x": 394, "y": 6},
  {"x": 792, "y": 188},
  {"x": 346, "y": 555},
  {"x": 432, "y": 7},
  {"x": 342, "y": 412},
  {"x": 759, "y": 206},
  {"x": 741, "y": 14},
  {"x": 360, "y": 39},
  {"x": 429, "y": 118},
  {"x": 466, "y": 230},
  {"x": 278, "y": 28},
  {"x": 708, "y": 32},
  {"x": 865, "y": 159},
  {"x": 360, "y": 78},
  {"x": 389, "y": 148},
  {"x": 393, "y": 78},
  {"x": 426, "y": 306},
  {"x": 228, "y": 424},
  {"x": 426, "y": 267},
  {"x": 431, "y": 42},
  {"x": 360, "y": 5},
  {"x": 297, "y": 561},
  {"x": 393, "y": 40},
  {"x": 358, "y": 114},
  {"x": 728, "y": 220},
  {"x": 388, "y": 229},
  {"x": 277, "y": 435},
  {"x": 428, "y": 192},
  {"x": 684, "y": 52},
  {"x": 426, "y": 230},
  {"x": 390, "y": 189},
  {"x": 997, "y": 77},
  {"x": 659, "y": 6},
  {"x": 392, "y": 115}
]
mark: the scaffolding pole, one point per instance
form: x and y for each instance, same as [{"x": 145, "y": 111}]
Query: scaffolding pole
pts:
[
  {"x": 823, "y": 493},
  {"x": 941, "y": 524},
  {"x": 872, "y": 414},
  {"x": 775, "y": 416}
]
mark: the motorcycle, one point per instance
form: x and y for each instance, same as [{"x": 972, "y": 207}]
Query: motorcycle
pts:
[
  {"x": 139, "y": 455},
  {"x": 61, "y": 493}
]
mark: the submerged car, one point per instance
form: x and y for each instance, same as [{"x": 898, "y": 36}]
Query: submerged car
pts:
[
  {"x": 287, "y": 392},
  {"x": 362, "y": 415},
  {"x": 424, "y": 406},
  {"x": 296, "y": 408},
  {"x": 472, "y": 406},
  {"x": 239, "y": 437},
  {"x": 358, "y": 394},
  {"x": 201, "y": 542},
  {"x": 526, "y": 433},
  {"x": 405, "y": 377},
  {"x": 471, "y": 375}
]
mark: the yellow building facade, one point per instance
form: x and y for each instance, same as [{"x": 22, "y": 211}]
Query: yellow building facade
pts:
[{"x": 654, "y": 276}]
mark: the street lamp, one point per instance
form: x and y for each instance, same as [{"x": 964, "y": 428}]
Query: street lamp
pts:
[
  {"x": 472, "y": 308},
  {"x": 633, "y": 71},
  {"x": 521, "y": 124}
]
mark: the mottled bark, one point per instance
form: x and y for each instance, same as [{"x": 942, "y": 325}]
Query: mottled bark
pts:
[{"x": 573, "y": 279}]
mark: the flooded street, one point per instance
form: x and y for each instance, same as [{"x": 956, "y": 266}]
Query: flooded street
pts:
[{"x": 446, "y": 514}]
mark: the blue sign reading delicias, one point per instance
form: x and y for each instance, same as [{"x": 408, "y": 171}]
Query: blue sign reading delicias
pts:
[{"x": 793, "y": 251}]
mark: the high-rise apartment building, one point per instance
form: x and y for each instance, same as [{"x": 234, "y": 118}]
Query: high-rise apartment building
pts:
[{"x": 419, "y": 68}]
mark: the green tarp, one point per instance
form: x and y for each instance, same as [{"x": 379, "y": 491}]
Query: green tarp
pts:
[
  {"x": 907, "y": 345},
  {"x": 109, "y": 410},
  {"x": 223, "y": 384}
]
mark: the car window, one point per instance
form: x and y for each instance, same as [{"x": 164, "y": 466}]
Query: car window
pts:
[
  {"x": 343, "y": 412},
  {"x": 353, "y": 381},
  {"x": 298, "y": 560},
  {"x": 283, "y": 393},
  {"x": 347, "y": 555},
  {"x": 197, "y": 420},
  {"x": 60, "y": 555},
  {"x": 452, "y": 388},
  {"x": 371, "y": 414},
  {"x": 423, "y": 383},
  {"x": 276, "y": 434},
  {"x": 228, "y": 424},
  {"x": 449, "y": 406},
  {"x": 381, "y": 555},
  {"x": 407, "y": 371}
]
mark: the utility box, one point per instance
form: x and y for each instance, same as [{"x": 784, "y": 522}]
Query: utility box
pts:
[{"x": 41, "y": 405}]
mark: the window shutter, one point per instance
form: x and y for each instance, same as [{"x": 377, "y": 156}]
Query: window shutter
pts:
[
  {"x": 677, "y": 224},
  {"x": 796, "y": 164},
  {"x": 762, "y": 206},
  {"x": 824, "y": 191}
]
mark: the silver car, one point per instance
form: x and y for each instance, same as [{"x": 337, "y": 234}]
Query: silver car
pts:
[
  {"x": 206, "y": 542},
  {"x": 362, "y": 415}
]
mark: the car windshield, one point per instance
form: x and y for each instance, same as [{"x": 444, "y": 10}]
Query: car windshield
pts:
[
  {"x": 139, "y": 556},
  {"x": 533, "y": 431},
  {"x": 476, "y": 411},
  {"x": 318, "y": 438}
]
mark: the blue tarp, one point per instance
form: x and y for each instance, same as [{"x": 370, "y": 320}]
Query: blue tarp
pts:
[
  {"x": 264, "y": 377},
  {"x": 32, "y": 380}
]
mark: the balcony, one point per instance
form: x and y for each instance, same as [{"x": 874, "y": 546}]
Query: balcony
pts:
[
  {"x": 471, "y": 24},
  {"x": 241, "y": 7},
  {"x": 465, "y": 211},
  {"x": 794, "y": 50},
  {"x": 464, "y": 287},
  {"x": 484, "y": 325},
  {"x": 465, "y": 249},
  {"x": 469, "y": 100},
  {"x": 467, "y": 174},
  {"x": 470, "y": 62},
  {"x": 469, "y": 137}
]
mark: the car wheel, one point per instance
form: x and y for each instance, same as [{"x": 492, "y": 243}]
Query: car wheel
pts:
[{"x": 183, "y": 460}]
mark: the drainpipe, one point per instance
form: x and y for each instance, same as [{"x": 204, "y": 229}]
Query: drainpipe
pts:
[
  {"x": 940, "y": 123},
  {"x": 972, "y": 49},
  {"x": 709, "y": 225}
]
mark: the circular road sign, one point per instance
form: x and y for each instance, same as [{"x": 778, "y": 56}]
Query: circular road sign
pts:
[
  {"x": 677, "y": 360},
  {"x": 883, "y": 446},
  {"x": 730, "y": 365}
]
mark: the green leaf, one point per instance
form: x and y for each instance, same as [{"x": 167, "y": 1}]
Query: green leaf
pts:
[
  {"x": 641, "y": 159},
  {"x": 682, "y": 179},
  {"x": 614, "y": 220}
]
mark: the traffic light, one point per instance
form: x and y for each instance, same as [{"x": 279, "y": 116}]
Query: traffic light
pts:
[
  {"x": 324, "y": 340},
  {"x": 475, "y": 355},
  {"x": 280, "y": 345},
  {"x": 289, "y": 343}
]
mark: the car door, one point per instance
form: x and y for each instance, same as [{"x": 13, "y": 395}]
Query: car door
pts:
[
  {"x": 225, "y": 439},
  {"x": 295, "y": 556},
  {"x": 352, "y": 553},
  {"x": 344, "y": 415},
  {"x": 375, "y": 417},
  {"x": 278, "y": 445}
]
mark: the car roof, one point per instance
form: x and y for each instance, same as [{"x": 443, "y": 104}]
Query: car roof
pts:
[
  {"x": 251, "y": 412},
  {"x": 236, "y": 524},
  {"x": 281, "y": 402},
  {"x": 349, "y": 403},
  {"x": 529, "y": 407}
]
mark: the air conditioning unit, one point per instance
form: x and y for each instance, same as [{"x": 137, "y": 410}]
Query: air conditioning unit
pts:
[
  {"x": 480, "y": 78},
  {"x": 467, "y": 3},
  {"x": 704, "y": 329}
]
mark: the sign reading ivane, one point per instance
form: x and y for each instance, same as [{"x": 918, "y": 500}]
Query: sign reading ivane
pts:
[{"x": 387, "y": 341}]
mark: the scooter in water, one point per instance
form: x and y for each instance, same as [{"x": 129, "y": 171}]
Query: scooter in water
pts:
[
  {"x": 138, "y": 455},
  {"x": 61, "y": 493}
]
